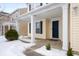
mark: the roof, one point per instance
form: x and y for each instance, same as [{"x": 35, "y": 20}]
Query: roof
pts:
[
  {"x": 2, "y": 13},
  {"x": 17, "y": 10}
]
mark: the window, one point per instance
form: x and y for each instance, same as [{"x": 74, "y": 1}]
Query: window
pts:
[
  {"x": 29, "y": 7},
  {"x": 41, "y": 4},
  {"x": 46, "y": 3},
  {"x": 12, "y": 27},
  {"x": 12, "y": 19},
  {"x": 39, "y": 27},
  {"x": 6, "y": 28},
  {"x": 29, "y": 27}
]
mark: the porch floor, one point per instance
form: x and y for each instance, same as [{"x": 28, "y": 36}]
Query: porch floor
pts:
[{"x": 41, "y": 42}]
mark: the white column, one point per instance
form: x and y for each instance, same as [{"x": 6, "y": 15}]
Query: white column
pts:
[
  {"x": 32, "y": 29},
  {"x": 65, "y": 26},
  {"x": 3, "y": 29},
  {"x": 8, "y": 26},
  {"x": 17, "y": 26}
]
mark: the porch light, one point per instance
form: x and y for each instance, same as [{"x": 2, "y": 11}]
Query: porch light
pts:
[{"x": 75, "y": 8}]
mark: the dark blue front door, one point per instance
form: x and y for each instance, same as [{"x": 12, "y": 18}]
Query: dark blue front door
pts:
[{"x": 55, "y": 29}]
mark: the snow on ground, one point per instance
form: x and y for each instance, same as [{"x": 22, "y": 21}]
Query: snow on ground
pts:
[
  {"x": 2, "y": 39},
  {"x": 13, "y": 48},
  {"x": 52, "y": 52}
]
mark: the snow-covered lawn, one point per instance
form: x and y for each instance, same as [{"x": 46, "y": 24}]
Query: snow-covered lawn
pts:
[
  {"x": 52, "y": 52},
  {"x": 2, "y": 39},
  {"x": 13, "y": 48}
]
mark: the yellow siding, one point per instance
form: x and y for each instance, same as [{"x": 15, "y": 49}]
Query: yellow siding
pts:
[
  {"x": 23, "y": 28},
  {"x": 4, "y": 18},
  {"x": 75, "y": 27},
  {"x": 48, "y": 28},
  {"x": 43, "y": 35},
  {"x": 23, "y": 11}
]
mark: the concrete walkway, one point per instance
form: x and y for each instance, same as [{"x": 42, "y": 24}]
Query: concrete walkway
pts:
[{"x": 40, "y": 43}]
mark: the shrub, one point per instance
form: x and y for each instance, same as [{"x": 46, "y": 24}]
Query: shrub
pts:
[
  {"x": 11, "y": 35},
  {"x": 69, "y": 52},
  {"x": 48, "y": 46}
]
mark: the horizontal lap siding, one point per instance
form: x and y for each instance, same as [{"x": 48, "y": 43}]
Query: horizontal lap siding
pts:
[
  {"x": 23, "y": 28},
  {"x": 43, "y": 35},
  {"x": 75, "y": 27},
  {"x": 48, "y": 29}
]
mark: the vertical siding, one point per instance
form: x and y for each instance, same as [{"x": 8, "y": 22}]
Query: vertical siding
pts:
[{"x": 75, "y": 27}]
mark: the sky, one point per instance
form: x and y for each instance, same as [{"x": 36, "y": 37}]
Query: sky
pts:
[{"x": 10, "y": 7}]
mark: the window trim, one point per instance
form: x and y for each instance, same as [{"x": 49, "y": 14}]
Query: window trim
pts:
[{"x": 40, "y": 28}]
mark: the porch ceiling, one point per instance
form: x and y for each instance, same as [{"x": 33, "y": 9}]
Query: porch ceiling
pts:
[
  {"x": 50, "y": 13},
  {"x": 51, "y": 10}
]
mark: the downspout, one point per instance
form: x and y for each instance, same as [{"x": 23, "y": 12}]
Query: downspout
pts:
[{"x": 69, "y": 43}]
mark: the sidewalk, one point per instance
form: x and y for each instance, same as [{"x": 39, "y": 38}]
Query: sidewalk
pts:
[{"x": 39, "y": 44}]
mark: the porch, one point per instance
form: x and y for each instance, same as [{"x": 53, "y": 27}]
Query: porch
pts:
[
  {"x": 54, "y": 43},
  {"x": 57, "y": 44},
  {"x": 45, "y": 12}
]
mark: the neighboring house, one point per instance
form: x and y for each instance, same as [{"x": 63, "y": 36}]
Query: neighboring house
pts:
[
  {"x": 56, "y": 21},
  {"x": 7, "y": 21},
  {"x": 21, "y": 26},
  {"x": 4, "y": 17}
]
